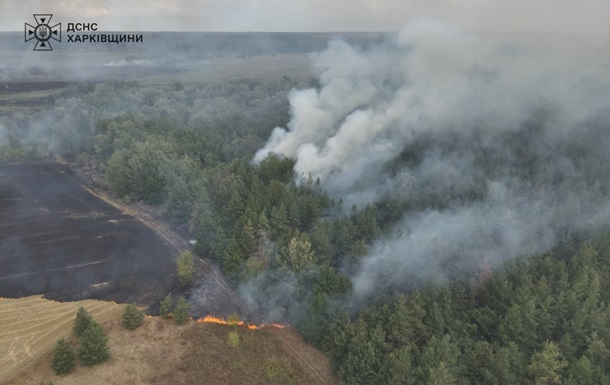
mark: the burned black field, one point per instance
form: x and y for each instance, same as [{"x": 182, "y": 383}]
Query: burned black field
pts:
[{"x": 59, "y": 240}]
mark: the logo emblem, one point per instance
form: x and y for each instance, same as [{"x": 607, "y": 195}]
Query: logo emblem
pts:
[{"x": 43, "y": 32}]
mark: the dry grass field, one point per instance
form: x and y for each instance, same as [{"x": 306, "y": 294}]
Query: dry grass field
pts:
[
  {"x": 30, "y": 326},
  {"x": 159, "y": 352}
]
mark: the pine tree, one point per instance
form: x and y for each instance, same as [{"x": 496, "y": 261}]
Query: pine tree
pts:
[
  {"x": 64, "y": 359},
  {"x": 279, "y": 221},
  {"x": 397, "y": 367},
  {"x": 292, "y": 211},
  {"x": 82, "y": 321},
  {"x": 262, "y": 223},
  {"x": 366, "y": 224},
  {"x": 309, "y": 211},
  {"x": 247, "y": 238},
  {"x": 182, "y": 311},
  {"x": 165, "y": 309},
  {"x": 321, "y": 241},
  {"x": 132, "y": 317},
  {"x": 546, "y": 365},
  {"x": 235, "y": 206},
  {"x": 232, "y": 259},
  {"x": 441, "y": 375},
  {"x": 93, "y": 348},
  {"x": 185, "y": 269},
  {"x": 405, "y": 323}
]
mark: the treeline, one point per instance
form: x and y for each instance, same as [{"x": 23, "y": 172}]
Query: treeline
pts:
[{"x": 232, "y": 118}]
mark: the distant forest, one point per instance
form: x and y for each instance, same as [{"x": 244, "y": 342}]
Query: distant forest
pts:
[{"x": 292, "y": 249}]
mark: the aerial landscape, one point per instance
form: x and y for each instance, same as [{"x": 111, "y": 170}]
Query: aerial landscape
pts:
[{"x": 260, "y": 193}]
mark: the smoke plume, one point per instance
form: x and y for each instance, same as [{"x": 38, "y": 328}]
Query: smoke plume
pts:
[{"x": 495, "y": 150}]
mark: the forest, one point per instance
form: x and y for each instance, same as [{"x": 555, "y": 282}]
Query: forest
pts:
[{"x": 292, "y": 249}]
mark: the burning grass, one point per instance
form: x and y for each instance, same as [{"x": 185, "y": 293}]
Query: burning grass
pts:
[{"x": 220, "y": 321}]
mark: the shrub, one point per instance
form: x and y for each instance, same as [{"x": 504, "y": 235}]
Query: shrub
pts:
[
  {"x": 132, "y": 317},
  {"x": 64, "y": 359},
  {"x": 233, "y": 339},
  {"x": 82, "y": 321},
  {"x": 93, "y": 347}
]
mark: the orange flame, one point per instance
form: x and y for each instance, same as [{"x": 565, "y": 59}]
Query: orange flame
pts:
[{"x": 220, "y": 321}]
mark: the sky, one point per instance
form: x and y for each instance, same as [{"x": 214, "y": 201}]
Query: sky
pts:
[{"x": 540, "y": 16}]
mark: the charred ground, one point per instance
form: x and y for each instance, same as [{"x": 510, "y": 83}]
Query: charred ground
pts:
[{"x": 59, "y": 240}]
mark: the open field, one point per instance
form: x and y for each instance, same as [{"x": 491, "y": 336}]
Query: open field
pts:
[
  {"x": 29, "y": 327},
  {"x": 24, "y": 96},
  {"x": 159, "y": 352},
  {"x": 59, "y": 240},
  {"x": 296, "y": 66},
  {"x": 35, "y": 93}
]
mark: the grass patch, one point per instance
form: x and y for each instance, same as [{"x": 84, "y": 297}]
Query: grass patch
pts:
[{"x": 259, "y": 360}]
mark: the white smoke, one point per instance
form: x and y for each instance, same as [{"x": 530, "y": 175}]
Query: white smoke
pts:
[
  {"x": 434, "y": 82},
  {"x": 430, "y": 78}
]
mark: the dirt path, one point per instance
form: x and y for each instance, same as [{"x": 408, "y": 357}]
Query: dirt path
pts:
[
  {"x": 211, "y": 293},
  {"x": 312, "y": 360},
  {"x": 163, "y": 230},
  {"x": 178, "y": 243}
]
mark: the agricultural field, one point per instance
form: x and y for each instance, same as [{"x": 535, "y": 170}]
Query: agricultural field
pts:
[{"x": 30, "y": 326}]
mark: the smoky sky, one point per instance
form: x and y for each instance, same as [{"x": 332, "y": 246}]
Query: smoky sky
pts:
[
  {"x": 498, "y": 147},
  {"x": 550, "y": 16}
]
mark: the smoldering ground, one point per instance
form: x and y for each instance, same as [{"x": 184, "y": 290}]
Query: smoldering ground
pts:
[{"x": 495, "y": 150}]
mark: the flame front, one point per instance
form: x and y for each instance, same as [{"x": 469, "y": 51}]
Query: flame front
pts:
[{"x": 220, "y": 321}]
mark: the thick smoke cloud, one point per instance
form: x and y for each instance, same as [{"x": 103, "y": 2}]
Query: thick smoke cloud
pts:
[{"x": 498, "y": 149}]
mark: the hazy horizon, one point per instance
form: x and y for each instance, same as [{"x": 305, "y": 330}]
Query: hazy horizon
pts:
[{"x": 543, "y": 16}]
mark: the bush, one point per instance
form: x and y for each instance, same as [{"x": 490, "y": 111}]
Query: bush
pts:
[
  {"x": 82, "y": 321},
  {"x": 132, "y": 317},
  {"x": 64, "y": 359},
  {"x": 185, "y": 269},
  {"x": 274, "y": 369},
  {"x": 165, "y": 309},
  {"x": 233, "y": 319},
  {"x": 93, "y": 348},
  {"x": 233, "y": 339}
]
